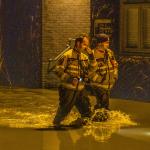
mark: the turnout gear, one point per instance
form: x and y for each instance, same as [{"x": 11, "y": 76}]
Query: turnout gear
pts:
[
  {"x": 73, "y": 70},
  {"x": 107, "y": 69},
  {"x": 66, "y": 103},
  {"x": 103, "y": 79}
]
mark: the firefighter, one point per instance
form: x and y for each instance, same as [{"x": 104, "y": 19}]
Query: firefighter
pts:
[
  {"x": 72, "y": 71},
  {"x": 106, "y": 74}
]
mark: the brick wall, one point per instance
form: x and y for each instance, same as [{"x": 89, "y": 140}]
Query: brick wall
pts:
[{"x": 62, "y": 19}]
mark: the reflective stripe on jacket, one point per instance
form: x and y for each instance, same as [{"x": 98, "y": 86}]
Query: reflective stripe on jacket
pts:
[
  {"x": 74, "y": 65},
  {"x": 107, "y": 69}
]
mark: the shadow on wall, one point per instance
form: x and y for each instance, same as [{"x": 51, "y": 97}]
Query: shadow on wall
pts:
[{"x": 134, "y": 78}]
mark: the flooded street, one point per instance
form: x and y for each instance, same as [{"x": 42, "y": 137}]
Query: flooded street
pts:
[{"x": 26, "y": 114}]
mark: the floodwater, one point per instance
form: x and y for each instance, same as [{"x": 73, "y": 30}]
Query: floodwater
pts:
[{"x": 26, "y": 114}]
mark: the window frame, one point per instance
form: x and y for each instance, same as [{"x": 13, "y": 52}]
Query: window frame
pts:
[{"x": 123, "y": 31}]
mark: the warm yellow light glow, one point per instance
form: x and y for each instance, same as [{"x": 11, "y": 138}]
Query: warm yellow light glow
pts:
[{"x": 100, "y": 131}]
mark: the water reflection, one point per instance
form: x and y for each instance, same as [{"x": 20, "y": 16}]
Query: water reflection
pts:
[
  {"x": 26, "y": 108},
  {"x": 102, "y": 131},
  {"x": 142, "y": 134}
]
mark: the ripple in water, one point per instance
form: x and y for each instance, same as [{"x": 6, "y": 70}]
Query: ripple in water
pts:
[{"x": 100, "y": 131}]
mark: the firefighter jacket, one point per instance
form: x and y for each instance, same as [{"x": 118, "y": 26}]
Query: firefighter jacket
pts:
[
  {"x": 74, "y": 65},
  {"x": 107, "y": 69}
]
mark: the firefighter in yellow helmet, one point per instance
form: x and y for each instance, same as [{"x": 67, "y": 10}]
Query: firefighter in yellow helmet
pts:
[
  {"x": 72, "y": 70},
  {"x": 106, "y": 74}
]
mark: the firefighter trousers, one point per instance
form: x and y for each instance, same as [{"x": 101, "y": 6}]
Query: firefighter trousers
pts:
[
  {"x": 69, "y": 98},
  {"x": 102, "y": 96}
]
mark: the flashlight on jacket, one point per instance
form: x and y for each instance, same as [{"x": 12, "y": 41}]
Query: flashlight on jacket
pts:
[{"x": 80, "y": 79}]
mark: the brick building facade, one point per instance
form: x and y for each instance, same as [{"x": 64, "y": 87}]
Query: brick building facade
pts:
[
  {"x": 61, "y": 19},
  {"x": 32, "y": 31}
]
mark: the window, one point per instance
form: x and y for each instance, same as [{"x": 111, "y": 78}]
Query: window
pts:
[
  {"x": 103, "y": 26},
  {"x": 135, "y": 27}
]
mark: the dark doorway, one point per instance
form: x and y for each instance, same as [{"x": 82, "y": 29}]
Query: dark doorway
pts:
[{"x": 21, "y": 41}]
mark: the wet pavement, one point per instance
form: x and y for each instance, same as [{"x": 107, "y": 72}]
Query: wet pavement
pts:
[{"x": 26, "y": 113}]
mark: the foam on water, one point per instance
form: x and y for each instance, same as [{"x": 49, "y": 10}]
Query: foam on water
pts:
[{"x": 100, "y": 131}]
